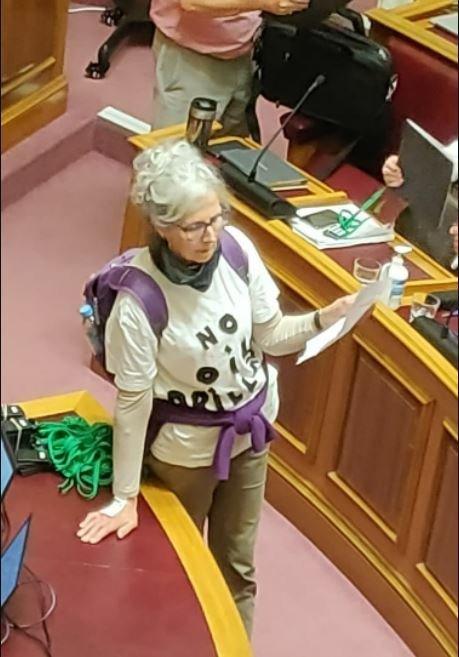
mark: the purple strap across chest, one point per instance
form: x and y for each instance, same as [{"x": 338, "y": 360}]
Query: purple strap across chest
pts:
[{"x": 247, "y": 419}]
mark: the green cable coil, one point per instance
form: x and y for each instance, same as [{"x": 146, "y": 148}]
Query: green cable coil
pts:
[{"x": 80, "y": 452}]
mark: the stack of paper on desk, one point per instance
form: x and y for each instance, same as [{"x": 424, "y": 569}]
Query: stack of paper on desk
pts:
[{"x": 370, "y": 232}]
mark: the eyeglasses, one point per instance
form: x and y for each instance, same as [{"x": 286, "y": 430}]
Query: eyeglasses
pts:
[{"x": 196, "y": 232}]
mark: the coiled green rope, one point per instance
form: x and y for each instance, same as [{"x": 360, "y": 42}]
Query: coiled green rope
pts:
[{"x": 80, "y": 452}]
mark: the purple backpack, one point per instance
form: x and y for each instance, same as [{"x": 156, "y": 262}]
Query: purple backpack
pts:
[{"x": 119, "y": 275}]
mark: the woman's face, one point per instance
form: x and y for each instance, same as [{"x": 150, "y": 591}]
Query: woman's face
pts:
[{"x": 195, "y": 238}]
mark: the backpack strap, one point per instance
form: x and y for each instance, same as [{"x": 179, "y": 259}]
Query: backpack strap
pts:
[
  {"x": 146, "y": 292},
  {"x": 235, "y": 255}
]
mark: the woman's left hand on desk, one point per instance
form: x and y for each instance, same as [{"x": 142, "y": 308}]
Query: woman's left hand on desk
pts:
[{"x": 96, "y": 526}]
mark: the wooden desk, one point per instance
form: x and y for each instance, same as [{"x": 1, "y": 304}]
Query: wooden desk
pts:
[
  {"x": 34, "y": 88},
  {"x": 425, "y": 273},
  {"x": 412, "y": 21},
  {"x": 154, "y": 594},
  {"x": 366, "y": 460}
]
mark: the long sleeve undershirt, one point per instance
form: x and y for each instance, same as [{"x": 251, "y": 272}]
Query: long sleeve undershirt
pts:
[
  {"x": 132, "y": 413},
  {"x": 284, "y": 334}
]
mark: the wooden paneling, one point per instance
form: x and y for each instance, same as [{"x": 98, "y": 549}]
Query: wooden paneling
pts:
[
  {"x": 300, "y": 395},
  {"x": 379, "y": 439},
  {"x": 34, "y": 19},
  {"x": 34, "y": 89},
  {"x": 442, "y": 549},
  {"x": 136, "y": 230},
  {"x": 294, "y": 417}
]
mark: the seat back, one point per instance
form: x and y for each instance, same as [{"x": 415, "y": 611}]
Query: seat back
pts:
[{"x": 426, "y": 92}]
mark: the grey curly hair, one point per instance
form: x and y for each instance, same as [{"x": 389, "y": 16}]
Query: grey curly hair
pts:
[{"x": 171, "y": 180}]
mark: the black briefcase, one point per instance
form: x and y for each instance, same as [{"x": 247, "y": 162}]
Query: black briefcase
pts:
[{"x": 359, "y": 73}]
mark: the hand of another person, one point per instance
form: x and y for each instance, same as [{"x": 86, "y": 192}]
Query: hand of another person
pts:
[
  {"x": 284, "y": 7},
  {"x": 97, "y": 525},
  {"x": 336, "y": 310},
  {"x": 453, "y": 231},
  {"x": 392, "y": 173}
]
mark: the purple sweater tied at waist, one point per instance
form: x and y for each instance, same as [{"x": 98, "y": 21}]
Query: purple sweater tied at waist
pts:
[{"x": 247, "y": 419}]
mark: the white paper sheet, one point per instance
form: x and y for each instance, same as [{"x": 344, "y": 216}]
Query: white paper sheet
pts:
[
  {"x": 370, "y": 231},
  {"x": 367, "y": 296},
  {"x": 322, "y": 341}
]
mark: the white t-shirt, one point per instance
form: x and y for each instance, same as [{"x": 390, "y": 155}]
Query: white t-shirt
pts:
[{"x": 205, "y": 355}]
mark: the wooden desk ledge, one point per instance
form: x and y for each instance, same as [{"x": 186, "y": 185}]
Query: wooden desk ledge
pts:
[
  {"x": 223, "y": 620},
  {"x": 219, "y": 610}
]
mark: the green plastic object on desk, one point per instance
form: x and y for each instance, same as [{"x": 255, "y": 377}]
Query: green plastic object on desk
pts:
[
  {"x": 349, "y": 221},
  {"x": 80, "y": 452}
]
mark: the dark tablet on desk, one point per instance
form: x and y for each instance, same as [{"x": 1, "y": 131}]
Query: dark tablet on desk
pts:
[
  {"x": 322, "y": 219},
  {"x": 219, "y": 149},
  {"x": 272, "y": 171}
]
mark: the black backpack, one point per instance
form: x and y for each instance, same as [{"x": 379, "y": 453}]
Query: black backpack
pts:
[{"x": 359, "y": 74}]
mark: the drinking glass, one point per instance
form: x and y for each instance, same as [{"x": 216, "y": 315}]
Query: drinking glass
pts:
[
  {"x": 424, "y": 305},
  {"x": 366, "y": 270}
]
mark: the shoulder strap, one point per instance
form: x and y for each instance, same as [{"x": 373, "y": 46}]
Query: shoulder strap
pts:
[
  {"x": 235, "y": 255},
  {"x": 146, "y": 292}
]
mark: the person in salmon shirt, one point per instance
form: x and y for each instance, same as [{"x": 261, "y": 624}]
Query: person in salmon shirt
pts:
[{"x": 203, "y": 48}]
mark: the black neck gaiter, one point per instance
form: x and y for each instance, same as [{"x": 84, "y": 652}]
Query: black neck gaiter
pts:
[{"x": 180, "y": 272}]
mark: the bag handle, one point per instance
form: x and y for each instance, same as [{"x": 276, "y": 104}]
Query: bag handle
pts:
[
  {"x": 340, "y": 37},
  {"x": 354, "y": 18}
]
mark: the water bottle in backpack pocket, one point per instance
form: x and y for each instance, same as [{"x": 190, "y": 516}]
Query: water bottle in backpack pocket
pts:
[{"x": 91, "y": 329}]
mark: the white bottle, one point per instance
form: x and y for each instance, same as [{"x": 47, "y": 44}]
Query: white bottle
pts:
[
  {"x": 90, "y": 327},
  {"x": 396, "y": 274}
]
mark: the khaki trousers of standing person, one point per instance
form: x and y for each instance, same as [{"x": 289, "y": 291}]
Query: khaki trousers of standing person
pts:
[
  {"x": 233, "y": 510},
  {"x": 183, "y": 74}
]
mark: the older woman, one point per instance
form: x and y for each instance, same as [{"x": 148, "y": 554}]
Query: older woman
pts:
[{"x": 204, "y": 383}]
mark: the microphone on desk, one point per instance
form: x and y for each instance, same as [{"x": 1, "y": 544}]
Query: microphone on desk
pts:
[
  {"x": 256, "y": 194},
  {"x": 320, "y": 79}
]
